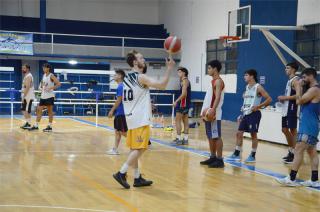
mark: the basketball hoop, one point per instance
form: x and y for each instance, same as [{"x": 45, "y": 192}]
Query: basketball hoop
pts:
[{"x": 225, "y": 38}]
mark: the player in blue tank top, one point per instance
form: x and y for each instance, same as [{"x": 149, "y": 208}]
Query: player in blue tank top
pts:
[{"x": 308, "y": 129}]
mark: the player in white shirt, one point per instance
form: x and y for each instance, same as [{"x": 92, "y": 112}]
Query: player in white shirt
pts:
[
  {"x": 214, "y": 99},
  {"x": 249, "y": 121},
  {"x": 137, "y": 108},
  {"x": 48, "y": 84},
  {"x": 27, "y": 95}
]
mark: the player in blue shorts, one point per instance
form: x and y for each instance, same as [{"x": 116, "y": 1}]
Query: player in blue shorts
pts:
[
  {"x": 308, "y": 129},
  {"x": 250, "y": 120},
  {"x": 214, "y": 99},
  {"x": 290, "y": 110}
]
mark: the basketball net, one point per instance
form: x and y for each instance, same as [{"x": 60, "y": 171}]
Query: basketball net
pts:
[{"x": 225, "y": 38}]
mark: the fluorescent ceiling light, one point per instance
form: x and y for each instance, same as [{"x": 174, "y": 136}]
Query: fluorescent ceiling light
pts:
[{"x": 73, "y": 62}]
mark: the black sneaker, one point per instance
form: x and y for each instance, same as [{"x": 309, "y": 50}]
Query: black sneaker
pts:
[
  {"x": 175, "y": 141},
  {"x": 185, "y": 142},
  {"x": 179, "y": 142},
  {"x": 289, "y": 159},
  {"x": 285, "y": 157},
  {"x": 33, "y": 128},
  {"x": 208, "y": 161},
  {"x": 218, "y": 163},
  {"x": 141, "y": 182},
  {"x": 26, "y": 126},
  {"x": 121, "y": 179},
  {"x": 48, "y": 129}
]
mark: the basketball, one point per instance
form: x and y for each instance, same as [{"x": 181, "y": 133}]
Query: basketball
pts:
[
  {"x": 172, "y": 44},
  {"x": 209, "y": 115}
]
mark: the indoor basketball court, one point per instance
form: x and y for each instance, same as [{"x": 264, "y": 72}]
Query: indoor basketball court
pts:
[{"x": 159, "y": 105}]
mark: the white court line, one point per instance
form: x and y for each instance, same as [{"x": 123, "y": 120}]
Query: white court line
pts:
[{"x": 53, "y": 207}]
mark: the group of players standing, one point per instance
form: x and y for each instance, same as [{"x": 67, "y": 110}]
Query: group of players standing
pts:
[{"x": 132, "y": 111}]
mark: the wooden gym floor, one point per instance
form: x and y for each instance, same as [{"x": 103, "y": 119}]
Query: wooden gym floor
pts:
[{"x": 68, "y": 170}]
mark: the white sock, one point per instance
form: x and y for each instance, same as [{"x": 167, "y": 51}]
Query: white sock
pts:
[
  {"x": 238, "y": 148},
  {"x": 186, "y": 136},
  {"x": 124, "y": 168},
  {"x": 136, "y": 173},
  {"x": 179, "y": 137}
]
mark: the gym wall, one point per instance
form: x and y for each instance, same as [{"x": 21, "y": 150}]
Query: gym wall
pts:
[{"x": 118, "y": 11}]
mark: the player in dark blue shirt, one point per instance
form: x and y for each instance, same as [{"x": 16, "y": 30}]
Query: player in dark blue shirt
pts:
[
  {"x": 290, "y": 110},
  {"x": 182, "y": 106}
]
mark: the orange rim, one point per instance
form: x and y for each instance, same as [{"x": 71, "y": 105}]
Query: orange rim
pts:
[{"x": 227, "y": 37}]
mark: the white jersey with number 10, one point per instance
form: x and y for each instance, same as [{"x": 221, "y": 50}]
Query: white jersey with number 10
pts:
[{"x": 136, "y": 101}]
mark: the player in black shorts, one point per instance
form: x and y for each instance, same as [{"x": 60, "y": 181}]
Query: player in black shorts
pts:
[
  {"x": 48, "y": 85},
  {"x": 182, "y": 105},
  {"x": 120, "y": 124}
]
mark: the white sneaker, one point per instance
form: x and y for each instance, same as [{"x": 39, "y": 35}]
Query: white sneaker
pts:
[
  {"x": 113, "y": 152},
  {"x": 309, "y": 183},
  {"x": 287, "y": 182}
]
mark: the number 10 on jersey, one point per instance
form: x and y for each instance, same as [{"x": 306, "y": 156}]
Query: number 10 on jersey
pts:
[{"x": 127, "y": 95}]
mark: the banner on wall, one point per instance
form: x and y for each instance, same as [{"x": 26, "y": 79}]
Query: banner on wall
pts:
[{"x": 16, "y": 43}]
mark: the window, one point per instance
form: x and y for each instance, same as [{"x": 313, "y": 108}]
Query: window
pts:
[
  {"x": 307, "y": 45},
  {"x": 226, "y": 55}
]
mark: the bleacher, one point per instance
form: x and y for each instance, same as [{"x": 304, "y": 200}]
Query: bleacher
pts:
[
  {"x": 95, "y": 80},
  {"x": 130, "y": 31},
  {"x": 84, "y": 82},
  {"x": 7, "y": 82},
  {"x": 15, "y": 23}
]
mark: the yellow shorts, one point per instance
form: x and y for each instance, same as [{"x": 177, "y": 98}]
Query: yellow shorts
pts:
[{"x": 138, "y": 138}]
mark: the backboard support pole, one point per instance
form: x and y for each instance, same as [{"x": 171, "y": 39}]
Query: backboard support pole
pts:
[
  {"x": 274, "y": 39},
  {"x": 275, "y": 48}
]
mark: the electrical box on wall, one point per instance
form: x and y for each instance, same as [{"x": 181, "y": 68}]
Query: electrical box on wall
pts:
[{"x": 262, "y": 80}]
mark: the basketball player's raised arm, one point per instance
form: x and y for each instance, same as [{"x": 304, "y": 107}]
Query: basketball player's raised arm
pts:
[
  {"x": 184, "y": 91},
  {"x": 266, "y": 96},
  {"x": 56, "y": 82},
  {"x": 217, "y": 93},
  {"x": 158, "y": 84}
]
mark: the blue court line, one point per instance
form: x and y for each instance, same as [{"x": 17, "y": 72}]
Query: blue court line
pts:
[{"x": 251, "y": 168}]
